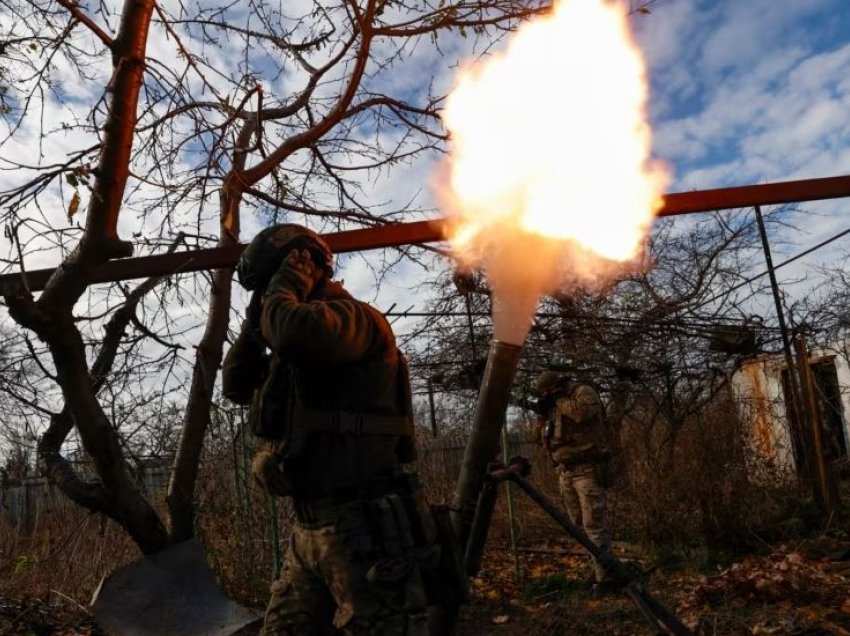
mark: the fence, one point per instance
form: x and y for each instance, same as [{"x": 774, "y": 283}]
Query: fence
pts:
[
  {"x": 23, "y": 504},
  {"x": 242, "y": 530},
  {"x": 440, "y": 459},
  {"x": 439, "y": 463},
  {"x": 48, "y": 543}
]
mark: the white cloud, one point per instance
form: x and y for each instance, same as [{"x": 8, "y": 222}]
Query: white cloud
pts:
[
  {"x": 738, "y": 98},
  {"x": 773, "y": 114}
]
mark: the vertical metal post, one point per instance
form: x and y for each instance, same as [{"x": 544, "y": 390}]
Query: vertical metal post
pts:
[
  {"x": 510, "y": 498},
  {"x": 796, "y": 406},
  {"x": 247, "y": 513},
  {"x": 826, "y": 490},
  {"x": 471, "y": 324},
  {"x": 433, "y": 410},
  {"x": 236, "y": 436},
  {"x": 276, "y": 555}
]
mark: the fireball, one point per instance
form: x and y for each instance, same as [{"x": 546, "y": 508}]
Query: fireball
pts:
[{"x": 550, "y": 177}]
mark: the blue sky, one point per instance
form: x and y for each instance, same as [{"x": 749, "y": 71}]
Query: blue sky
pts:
[
  {"x": 742, "y": 91},
  {"x": 749, "y": 91},
  {"x": 755, "y": 91}
]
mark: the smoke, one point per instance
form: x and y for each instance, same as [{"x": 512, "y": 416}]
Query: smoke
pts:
[
  {"x": 522, "y": 267},
  {"x": 518, "y": 279}
]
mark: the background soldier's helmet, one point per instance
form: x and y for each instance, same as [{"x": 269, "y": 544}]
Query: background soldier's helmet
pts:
[
  {"x": 547, "y": 381},
  {"x": 264, "y": 255}
]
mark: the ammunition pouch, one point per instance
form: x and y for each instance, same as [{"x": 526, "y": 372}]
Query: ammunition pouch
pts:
[
  {"x": 435, "y": 549},
  {"x": 416, "y": 509},
  {"x": 446, "y": 583},
  {"x": 269, "y": 416}
]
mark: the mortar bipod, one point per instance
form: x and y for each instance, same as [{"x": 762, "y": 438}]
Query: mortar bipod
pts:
[{"x": 624, "y": 576}]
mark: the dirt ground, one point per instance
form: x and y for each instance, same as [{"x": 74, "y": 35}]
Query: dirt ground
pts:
[{"x": 801, "y": 590}]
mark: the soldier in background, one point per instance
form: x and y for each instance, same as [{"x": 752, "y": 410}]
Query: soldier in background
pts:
[
  {"x": 572, "y": 429},
  {"x": 330, "y": 395}
]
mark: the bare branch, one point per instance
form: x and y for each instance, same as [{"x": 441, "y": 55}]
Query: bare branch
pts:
[{"x": 75, "y": 11}]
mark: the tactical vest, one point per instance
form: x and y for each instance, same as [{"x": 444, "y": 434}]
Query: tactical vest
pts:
[
  {"x": 574, "y": 442},
  {"x": 278, "y": 414}
]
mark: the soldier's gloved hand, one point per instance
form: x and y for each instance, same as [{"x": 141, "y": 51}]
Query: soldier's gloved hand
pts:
[
  {"x": 544, "y": 404},
  {"x": 268, "y": 473},
  {"x": 297, "y": 273}
]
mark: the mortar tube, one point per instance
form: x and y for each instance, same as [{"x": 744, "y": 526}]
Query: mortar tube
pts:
[{"x": 483, "y": 444}]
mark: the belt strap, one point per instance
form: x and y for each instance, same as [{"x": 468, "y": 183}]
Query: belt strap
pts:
[
  {"x": 323, "y": 510},
  {"x": 316, "y": 511},
  {"x": 354, "y": 423}
]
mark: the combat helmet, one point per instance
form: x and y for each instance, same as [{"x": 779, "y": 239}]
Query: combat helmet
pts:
[
  {"x": 263, "y": 256},
  {"x": 548, "y": 381}
]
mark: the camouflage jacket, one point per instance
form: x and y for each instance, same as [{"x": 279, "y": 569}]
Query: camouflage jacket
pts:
[
  {"x": 574, "y": 429},
  {"x": 344, "y": 357}
]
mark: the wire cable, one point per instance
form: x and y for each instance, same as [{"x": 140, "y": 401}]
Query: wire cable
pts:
[{"x": 788, "y": 261}]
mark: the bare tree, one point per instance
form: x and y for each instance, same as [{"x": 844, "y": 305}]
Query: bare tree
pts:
[
  {"x": 828, "y": 310},
  {"x": 203, "y": 109},
  {"x": 664, "y": 337}
]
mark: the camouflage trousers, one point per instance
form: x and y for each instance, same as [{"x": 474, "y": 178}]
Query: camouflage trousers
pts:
[
  {"x": 584, "y": 499},
  {"x": 352, "y": 576}
]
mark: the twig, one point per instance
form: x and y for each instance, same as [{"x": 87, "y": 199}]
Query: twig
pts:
[
  {"x": 12, "y": 233},
  {"x": 68, "y": 598}
]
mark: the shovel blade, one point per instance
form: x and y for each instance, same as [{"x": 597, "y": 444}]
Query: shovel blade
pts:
[{"x": 172, "y": 592}]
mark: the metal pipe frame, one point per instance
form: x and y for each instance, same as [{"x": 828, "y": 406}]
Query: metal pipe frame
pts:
[{"x": 420, "y": 232}]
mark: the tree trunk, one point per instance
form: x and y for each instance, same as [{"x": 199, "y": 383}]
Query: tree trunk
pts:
[
  {"x": 181, "y": 488},
  {"x": 51, "y": 316},
  {"x": 126, "y": 504}
]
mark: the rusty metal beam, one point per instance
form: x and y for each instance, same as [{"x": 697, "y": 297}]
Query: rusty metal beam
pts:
[
  {"x": 751, "y": 195},
  {"x": 419, "y": 232},
  {"x": 390, "y": 235}
]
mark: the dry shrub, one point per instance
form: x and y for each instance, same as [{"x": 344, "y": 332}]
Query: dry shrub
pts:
[
  {"x": 703, "y": 491},
  {"x": 697, "y": 486},
  {"x": 63, "y": 554},
  {"x": 242, "y": 529}
]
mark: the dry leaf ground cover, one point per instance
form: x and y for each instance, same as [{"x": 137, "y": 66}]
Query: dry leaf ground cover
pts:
[
  {"x": 795, "y": 589},
  {"x": 788, "y": 580}
]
